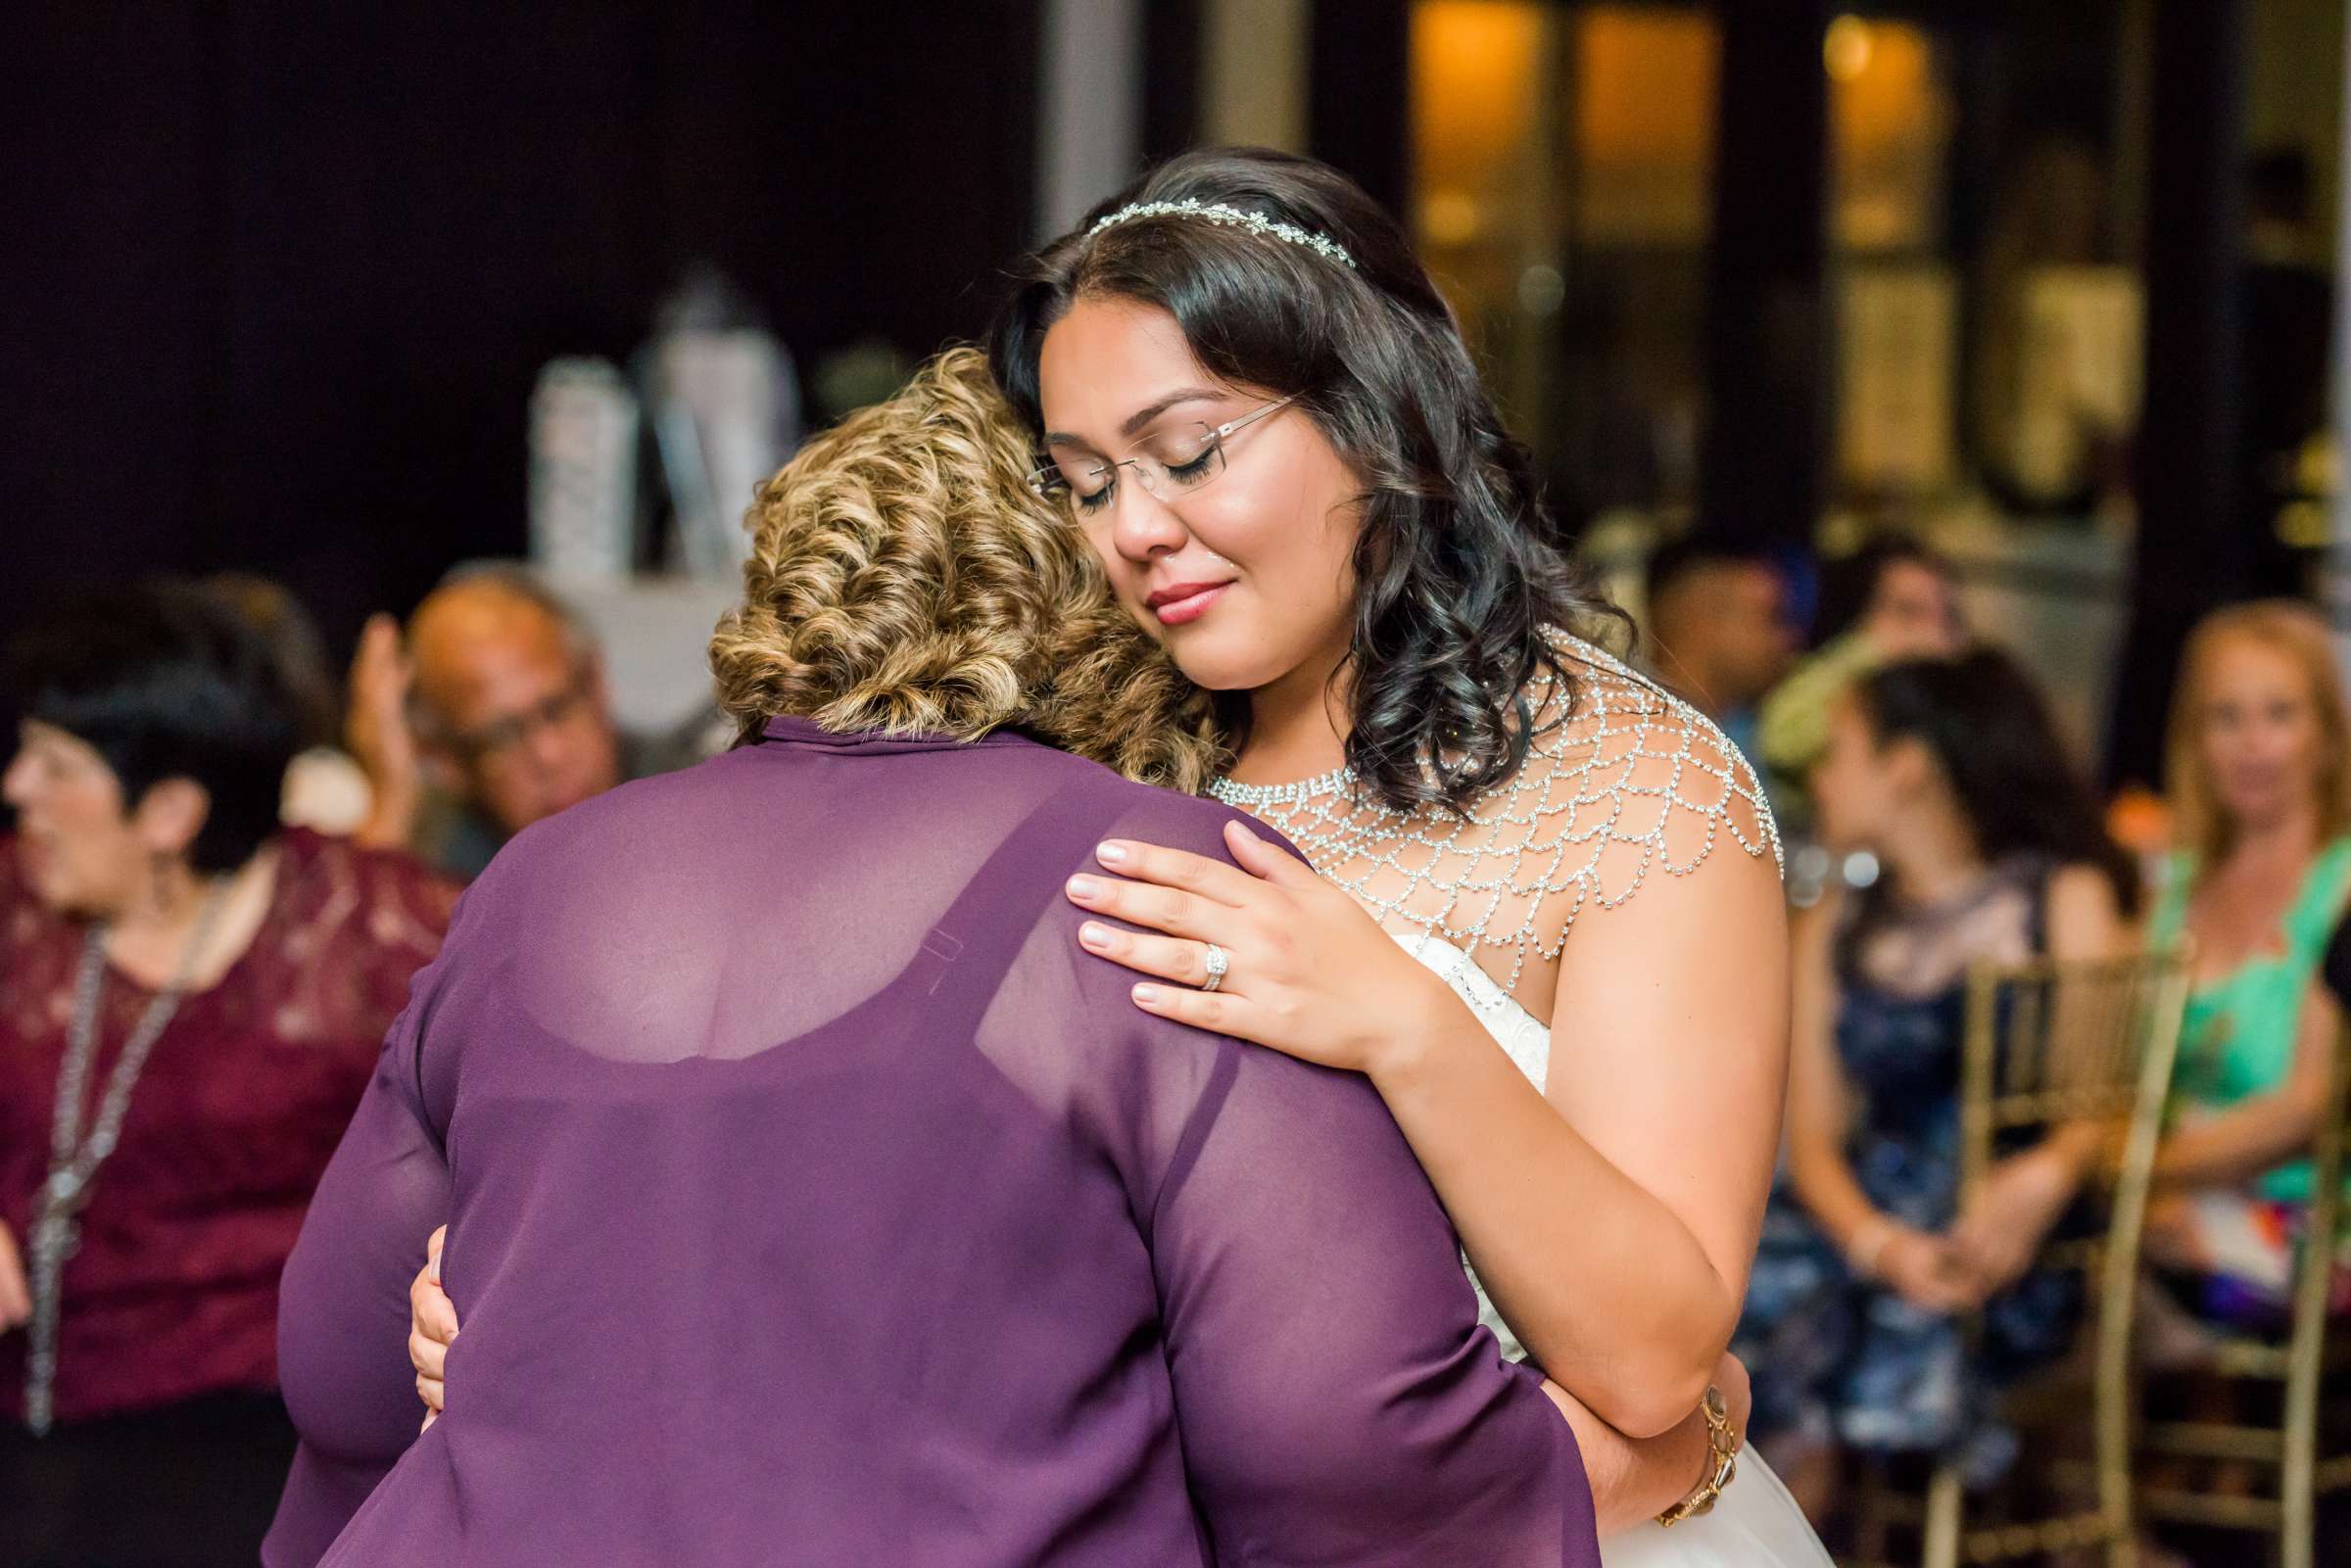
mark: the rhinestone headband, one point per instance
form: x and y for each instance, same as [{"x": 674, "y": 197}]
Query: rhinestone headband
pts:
[{"x": 1230, "y": 217}]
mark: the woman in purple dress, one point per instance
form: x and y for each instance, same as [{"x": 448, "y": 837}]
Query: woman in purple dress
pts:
[{"x": 813, "y": 1199}]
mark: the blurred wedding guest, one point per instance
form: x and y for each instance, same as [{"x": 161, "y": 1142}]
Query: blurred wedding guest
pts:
[
  {"x": 1718, "y": 628},
  {"x": 326, "y": 788},
  {"x": 192, "y": 999},
  {"x": 1897, "y": 593},
  {"x": 1949, "y": 773},
  {"x": 493, "y": 716},
  {"x": 1892, "y": 598},
  {"x": 2260, "y": 780}
]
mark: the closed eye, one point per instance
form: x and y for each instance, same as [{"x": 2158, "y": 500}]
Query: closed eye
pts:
[{"x": 1198, "y": 468}]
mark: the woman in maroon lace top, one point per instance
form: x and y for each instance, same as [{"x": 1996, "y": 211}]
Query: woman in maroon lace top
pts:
[{"x": 217, "y": 991}]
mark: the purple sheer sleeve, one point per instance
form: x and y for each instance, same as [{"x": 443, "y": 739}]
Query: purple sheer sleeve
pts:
[
  {"x": 347, "y": 1287},
  {"x": 1337, "y": 1400}
]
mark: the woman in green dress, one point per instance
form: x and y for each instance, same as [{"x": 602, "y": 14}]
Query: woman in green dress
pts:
[{"x": 2259, "y": 763}]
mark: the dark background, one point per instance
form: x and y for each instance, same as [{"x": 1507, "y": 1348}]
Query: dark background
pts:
[{"x": 278, "y": 277}]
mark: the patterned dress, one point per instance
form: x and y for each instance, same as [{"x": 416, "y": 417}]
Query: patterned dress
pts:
[
  {"x": 166, "y": 1333},
  {"x": 1837, "y": 1357}
]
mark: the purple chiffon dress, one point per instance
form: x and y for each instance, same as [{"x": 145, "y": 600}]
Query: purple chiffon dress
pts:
[{"x": 813, "y": 1198}]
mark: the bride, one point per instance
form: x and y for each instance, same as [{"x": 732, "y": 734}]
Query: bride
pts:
[{"x": 1543, "y": 913}]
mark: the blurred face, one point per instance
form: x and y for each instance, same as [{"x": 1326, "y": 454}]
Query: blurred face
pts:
[
  {"x": 2261, "y": 741},
  {"x": 1857, "y": 784},
  {"x": 1725, "y": 627},
  {"x": 1246, "y": 578},
  {"x": 1754, "y": 639},
  {"x": 1914, "y": 613},
  {"x": 524, "y": 721},
  {"x": 80, "y": 849}
]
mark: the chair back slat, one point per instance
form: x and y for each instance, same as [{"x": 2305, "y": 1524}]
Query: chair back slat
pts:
[
  {"x": 2294, "y": 1442},
  {"x": 2051, "y": 1044},
  {"x": 2054, "y": 1045}
]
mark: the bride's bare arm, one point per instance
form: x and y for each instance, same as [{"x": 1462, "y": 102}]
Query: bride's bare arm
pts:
[
  {"x": 1635, "y": 1481},
  {"x": 1613, "y": 1216}
]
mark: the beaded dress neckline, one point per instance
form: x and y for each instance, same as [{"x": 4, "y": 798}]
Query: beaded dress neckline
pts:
[{"x": 1627, "y": 779}]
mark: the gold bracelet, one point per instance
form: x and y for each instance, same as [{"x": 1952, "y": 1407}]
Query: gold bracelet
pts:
[{"x": 1722, "y": 1464}]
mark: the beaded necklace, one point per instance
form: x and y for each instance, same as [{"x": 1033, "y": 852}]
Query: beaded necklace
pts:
[{"x": 75, "y": 1155}]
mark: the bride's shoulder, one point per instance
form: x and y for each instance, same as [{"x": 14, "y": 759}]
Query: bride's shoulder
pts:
[{"x": 1624, "y": 779}]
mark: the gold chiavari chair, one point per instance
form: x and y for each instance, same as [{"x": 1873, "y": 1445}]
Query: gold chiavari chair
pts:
[
  {"x": 2292, "y": 1380},
  {"x": 2086, "y": 1048}
]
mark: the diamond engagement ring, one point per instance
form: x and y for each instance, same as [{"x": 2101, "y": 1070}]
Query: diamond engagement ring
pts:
[{"x": 1219, "y": 961}]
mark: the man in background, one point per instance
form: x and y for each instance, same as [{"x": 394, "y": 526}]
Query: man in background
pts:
[
  {"x": 493, "y": 715},
  {"x": 1892, "y": 598},
  {"x": 1719, "y": 630}
]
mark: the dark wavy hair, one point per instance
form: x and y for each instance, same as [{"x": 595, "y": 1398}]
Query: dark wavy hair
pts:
[
  {"x": 1989, "y": 729},
  {"x": 1460, "y": 574},
  {"x": 166, "y": 680}
]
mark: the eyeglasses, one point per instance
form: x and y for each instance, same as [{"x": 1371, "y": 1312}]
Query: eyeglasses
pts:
[
  {"x": 502, "y": 738},
  {"x": 1187, "y": 456}
]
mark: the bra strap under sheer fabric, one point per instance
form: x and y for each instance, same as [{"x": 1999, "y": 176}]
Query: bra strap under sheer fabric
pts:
[{"x": 965, "y": 957}]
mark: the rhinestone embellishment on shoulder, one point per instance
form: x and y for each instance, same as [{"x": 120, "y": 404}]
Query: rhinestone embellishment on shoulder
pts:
[{"x": 1585, "y": 821}]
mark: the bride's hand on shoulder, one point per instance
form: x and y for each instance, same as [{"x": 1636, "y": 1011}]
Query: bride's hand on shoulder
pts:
[
  {"x": 1309, "y": 972},
  {"x": 432, "y": 1328}
]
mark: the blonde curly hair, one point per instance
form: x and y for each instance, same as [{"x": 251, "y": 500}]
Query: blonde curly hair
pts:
[{"x": 904, "y": 580}]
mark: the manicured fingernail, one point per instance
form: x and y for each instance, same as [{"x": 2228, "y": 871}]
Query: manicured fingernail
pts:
[
  {"x": 1093, "y": 935},
  {"x": 1085, "y": 887},
  {"x": 1146, "y": 995},
  {"x": 1110, "y": 854}
]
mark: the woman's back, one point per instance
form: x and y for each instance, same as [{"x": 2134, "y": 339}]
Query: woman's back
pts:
[{"x": 811, "y": 1201}]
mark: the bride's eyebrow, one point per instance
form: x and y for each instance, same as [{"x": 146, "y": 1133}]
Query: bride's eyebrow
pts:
[{"x": 1140, "y": 417}]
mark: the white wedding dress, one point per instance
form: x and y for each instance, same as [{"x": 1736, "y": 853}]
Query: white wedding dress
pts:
[{"x": 1756, "y": 1524}]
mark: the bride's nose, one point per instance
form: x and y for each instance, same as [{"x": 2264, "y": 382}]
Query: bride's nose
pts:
[{"x": 1145, "y": 526}]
